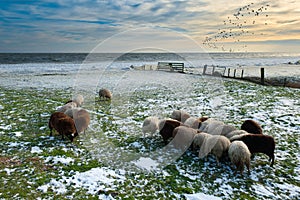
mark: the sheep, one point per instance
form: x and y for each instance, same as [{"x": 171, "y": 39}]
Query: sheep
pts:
[
  {"x": 105, "y": 94},
  {"x": 251, "y": 126},
  {"x": 81, "y": 117},
  {"x": 199, "y": 139},
  {"x": 234, "y": 133},
  {"x": 239, "y": 155},
  {"x": 166, "y": 128},
  {"x": 67, "y": 106},
  {"x": 63, "y": 124},
  {"x": 193, "y": 122},
  {"x": 210, "y": 126},
  {"x": 258, "y": 143},
  {"x": 180, "y": 115},
  {"x": 226, "y": 129},
  {"x": 215, "y": 144},
  {"x": 150, "y": 125},
  {"x": 183, "y": 137},
  {"x": 78, "y": 100}
]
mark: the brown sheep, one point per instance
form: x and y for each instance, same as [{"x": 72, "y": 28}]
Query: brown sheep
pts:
[
  {"x": 166, "y": 128},
  {"x": 258, "y": 143},
  {"x": 251, "y": 126},
  {"x": 105, "y": 93},
  {"x": 63, "y": 124}
]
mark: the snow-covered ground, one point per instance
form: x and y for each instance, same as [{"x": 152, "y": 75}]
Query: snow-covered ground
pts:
[{"x": 127, "y": 160}]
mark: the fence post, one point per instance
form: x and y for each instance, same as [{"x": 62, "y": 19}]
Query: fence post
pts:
[
  {"x": 234, "y": 73},
  {"x": 242, "y": 73},
  {"x": 213, "y": 70},
  {"x": 204, "y": 69},
  {"x": 262, "y": 76},
  {"x": 228, "y": 72}
]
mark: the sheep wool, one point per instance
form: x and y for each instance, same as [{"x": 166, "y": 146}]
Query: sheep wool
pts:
[
  {"x": 166, "y": 128},
  {"x": 105, "y": 93},
  {"x": 180, "y": 115},
  {"x": 193, "y": 122},
  {"x": 63, "y": 124},
  {"x": 239, "y": 155},
  {"x": 215, "y": 144},
  {"x": 67, "y": 106},
  {"x": 150, "y": 125},
  {"x": 183, "y": 137},
  {"x": 252, "y": 126}
]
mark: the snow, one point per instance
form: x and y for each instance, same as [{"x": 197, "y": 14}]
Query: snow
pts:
[
  {"x": 201, "y": 196},
  {"x": 36, "y": 149},
  {"x": 146, "y": 163},
  {"x": 18, "y": 133},
  {"x": 101, "y": 178},
  {"x": 93, "y": 180},
  {"x": 59, "y": 159}
]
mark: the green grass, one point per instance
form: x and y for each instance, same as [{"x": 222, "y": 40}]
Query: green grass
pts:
[{"x": 118, "y": 124}]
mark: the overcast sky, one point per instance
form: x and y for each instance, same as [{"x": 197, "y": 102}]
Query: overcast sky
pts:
[{"x": 126, "y": 25}]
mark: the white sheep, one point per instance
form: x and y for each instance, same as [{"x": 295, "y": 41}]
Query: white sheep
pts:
[
  {"x": 211, "y": 126},
  {"x": 233, "y": 134},
  {"x": 67, "y": 106},
  {"x": 183, "y": 137},
  {"x": 180, "y": 115},
  {"x": 192, "y": 122},
  {"x": 239, "y": 155},
  {"x": 150, "y": 125},
  {"x": 78, "y": 100},
  {"x": 215, "y": 144}
]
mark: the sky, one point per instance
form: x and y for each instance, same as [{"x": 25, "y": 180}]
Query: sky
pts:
[{"x": 149, "y": 25}]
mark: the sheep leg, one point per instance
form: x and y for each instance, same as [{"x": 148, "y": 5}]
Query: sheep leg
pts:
[
  {"x": 271, "y": 158},
  {"x": 217, "y": 159},
  {"x": 248, "y": 167}
]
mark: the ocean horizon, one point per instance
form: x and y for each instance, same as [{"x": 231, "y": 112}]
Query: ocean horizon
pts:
[{"x": 223, "y": 58}]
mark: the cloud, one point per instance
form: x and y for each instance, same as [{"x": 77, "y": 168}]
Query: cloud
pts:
[{"x": 86, "y": 22}]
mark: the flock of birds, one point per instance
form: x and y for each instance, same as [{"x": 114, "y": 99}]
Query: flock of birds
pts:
[{"x": 239, "y": 25}]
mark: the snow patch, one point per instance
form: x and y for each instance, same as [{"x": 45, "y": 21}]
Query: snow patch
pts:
[
  {"x": 93, "y": 180},
  {"x": 36, "y": 150},
  {"x": 201, "y": 196},
  {"x": 59, "y": 159},
  {"x": 146, "y": 163}
]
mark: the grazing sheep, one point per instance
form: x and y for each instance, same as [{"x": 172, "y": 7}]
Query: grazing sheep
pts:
[
  {"x": 81, "y": 117},
  {"x": 258, "y": 143},
  {"x": 251, "y": 126},
  {"x": 67, "y": 106},
  {"x": 150, "y": 125},
  {"x": 239, "y": 155},
  {"x": 211, "y": 126},
  {"x": 166, "y": 128},
  {"x": 234, "y": 133},
  {"x": 78, "y": 100},
  {"x": 105, "y": 94},
  {"x": 180, "y": 115},
  {"x": 193, "y": 122},
  {"x": 226, "y": 129},
  {"x": 199, "y": 139},
  {"x": 183, "y": 137},
  {"x": 63, "y": 124},
  {"x": 215, "y": 144}
]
